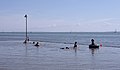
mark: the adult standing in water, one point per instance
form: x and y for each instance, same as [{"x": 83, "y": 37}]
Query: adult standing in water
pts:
[
  {"x": 93, "y": 45},
  {"x": 75, "y": 48},
  {"x": 92, "y": 42},
  {"x": 75, "y": 45}
]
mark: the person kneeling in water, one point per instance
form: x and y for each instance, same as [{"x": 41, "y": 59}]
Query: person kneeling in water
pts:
[{"x": 37, "y": 44}]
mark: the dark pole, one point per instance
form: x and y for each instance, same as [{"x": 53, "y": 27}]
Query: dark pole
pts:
[{"x": 26, "y": 26}]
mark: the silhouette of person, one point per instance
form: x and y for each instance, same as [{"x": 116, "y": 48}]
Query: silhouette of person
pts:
[
  {"x": 25, "y": 42},
  {"x": 75, "y": 45},
  {"x": 37, "y": 44},
  {"x": 92, "y": 42},
  {"x": 33, "y": 42},
  {"x": 28, "y": 39},
  {"x": 67, "y": 48},
  {"x": 93, "y": 45}
]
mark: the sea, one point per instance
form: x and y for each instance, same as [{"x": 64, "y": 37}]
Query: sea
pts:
[
  {"x": 107, "y": 39},
  {"x": 15, "y": 55}
]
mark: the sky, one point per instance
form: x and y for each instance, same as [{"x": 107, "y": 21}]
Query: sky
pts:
[{"x": 60, "y": 15}]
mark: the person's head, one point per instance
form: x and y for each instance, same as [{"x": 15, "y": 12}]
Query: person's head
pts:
[
  {"x": 75, "y": 42},
  {"x": 92, "y": 40},
  {"x": 33, "y": 42}
]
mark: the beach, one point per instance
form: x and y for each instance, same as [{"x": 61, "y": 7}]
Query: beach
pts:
[
  {"x": 14, "y": 55},
  {"x": 59, "y": 35}
]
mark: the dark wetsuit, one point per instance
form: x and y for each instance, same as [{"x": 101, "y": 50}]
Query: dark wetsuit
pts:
[
  {"x": 37, "y": 44},
  {"x": 92, "y": 42},
  {"x": 75, "y": 45}
]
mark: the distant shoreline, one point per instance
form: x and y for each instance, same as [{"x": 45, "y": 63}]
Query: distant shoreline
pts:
[{"x": 64, "y": 32}]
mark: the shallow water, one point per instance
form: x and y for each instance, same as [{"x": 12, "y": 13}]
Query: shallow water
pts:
[
  {"x": 107, "y": 39},
  {"x": 14, "y": 55}
]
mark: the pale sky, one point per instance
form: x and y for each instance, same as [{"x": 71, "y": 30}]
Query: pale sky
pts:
[{"x": 60, "y": 15}]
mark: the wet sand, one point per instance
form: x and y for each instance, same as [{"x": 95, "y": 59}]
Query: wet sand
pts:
[{"x": 14, "y": 55}]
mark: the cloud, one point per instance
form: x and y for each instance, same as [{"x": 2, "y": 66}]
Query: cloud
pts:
[{"x": 100, "y": 20}]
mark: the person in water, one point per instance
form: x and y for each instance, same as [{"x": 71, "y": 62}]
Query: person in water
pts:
[
  {"x": 92, "y": 40},
  {"x": 65, "y": 48},
  {"x": 37, "y": 44},
  {"x": 33, "y": 42},
  {"x": 93, "y": 45},
  {"x": 25, "y": 42},
  {"x": 75, "y": 45},
  {"x": 28, "y": 39}
]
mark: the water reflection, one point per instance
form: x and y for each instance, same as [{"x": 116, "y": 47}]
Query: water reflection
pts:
[
  {"x": 93, "y": 50},
  {"x": 26, "y": 49},
  {"x": 75, "y": 51},
  {"x": 37, "y": 50},
  {"x": 93, "y": 58}
]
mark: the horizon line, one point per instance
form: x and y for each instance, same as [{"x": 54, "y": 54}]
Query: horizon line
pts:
[{"x": 58, "y": 31}]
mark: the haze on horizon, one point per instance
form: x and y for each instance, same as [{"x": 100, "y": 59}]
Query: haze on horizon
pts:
[{"x": 60, "y": 15}]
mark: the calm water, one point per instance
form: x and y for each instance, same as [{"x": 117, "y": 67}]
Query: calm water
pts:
[
  {"x": 14, "y": 55},
  {"x": 107, "y": 39}
]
